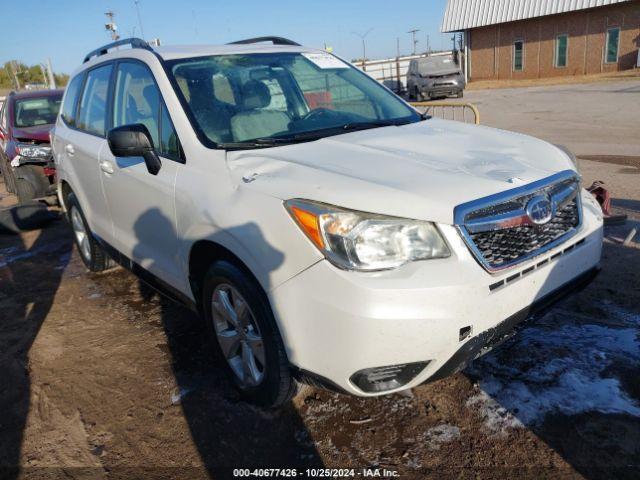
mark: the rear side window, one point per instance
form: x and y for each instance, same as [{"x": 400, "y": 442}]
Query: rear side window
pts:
[
  {"x": 93, "y": 105},
  {"x": 68, "y": 112},
  {"x": 137, "y": 100}
]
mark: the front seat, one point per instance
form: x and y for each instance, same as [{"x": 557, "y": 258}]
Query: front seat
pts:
[{"x": 254, "y": 121}]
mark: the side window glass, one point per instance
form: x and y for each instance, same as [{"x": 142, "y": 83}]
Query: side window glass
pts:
[
  {"x": 68, "y": 111},
  {"x": 93, "y": 105},
  {"x": 137, "y": 99},
  {"x": 168, "y": 137}
]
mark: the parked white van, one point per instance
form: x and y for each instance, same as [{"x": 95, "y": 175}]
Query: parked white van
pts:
[{"x": 325, "y": 230}]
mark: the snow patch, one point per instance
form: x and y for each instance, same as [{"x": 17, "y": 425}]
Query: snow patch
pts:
[
  {"x": 436, "y": 436},
  {"x": 557, "y": 366}
]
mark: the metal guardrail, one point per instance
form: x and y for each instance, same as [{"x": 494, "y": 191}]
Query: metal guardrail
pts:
[{"x": 433, "y": 108}]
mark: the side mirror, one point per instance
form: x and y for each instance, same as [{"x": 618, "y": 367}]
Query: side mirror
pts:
[{"x": 134, "y": 141}]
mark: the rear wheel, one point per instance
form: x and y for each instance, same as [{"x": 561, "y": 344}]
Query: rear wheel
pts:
[
  {"x": 92, "y": 254},
  {"x": 239, "y": 316}
]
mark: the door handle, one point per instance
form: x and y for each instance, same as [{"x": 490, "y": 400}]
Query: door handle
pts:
[
  {"x": 70, "y": 150},
  {"x": 106, "y": 167}
]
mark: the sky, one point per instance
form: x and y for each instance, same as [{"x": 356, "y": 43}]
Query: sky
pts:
[{"x": 65, "y": 30}]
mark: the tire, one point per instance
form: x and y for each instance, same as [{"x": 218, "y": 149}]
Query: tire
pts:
[
  {"x": 265, "y": 377},
  {"x": 30, "y": 182},
  {"x": 25, "y": 191},
  {"x": 418, "y": 96},
  {"x": 92, "y": 254},
  {"x": 7, "y": 173},
  {"x": 460, "y": 93}
]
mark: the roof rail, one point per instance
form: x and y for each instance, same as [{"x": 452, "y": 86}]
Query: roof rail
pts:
[
  {"x": 274, "y": 40},
  {"x": 134, "y": 42}
]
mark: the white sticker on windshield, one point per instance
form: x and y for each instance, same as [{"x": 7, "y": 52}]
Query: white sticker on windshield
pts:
[{"x": 325, "y": 60}]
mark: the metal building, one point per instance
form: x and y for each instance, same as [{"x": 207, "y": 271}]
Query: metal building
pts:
[{"x": 544, "y": 38}]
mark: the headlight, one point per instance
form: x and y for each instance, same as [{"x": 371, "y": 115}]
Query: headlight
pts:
[
  {"x": 364, "y": 241},
  {"x": 33, "y": 151},
  {"x": 571, "y": 156}
]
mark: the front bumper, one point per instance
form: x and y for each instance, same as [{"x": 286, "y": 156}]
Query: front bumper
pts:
[{"x": 335, "y": 323}]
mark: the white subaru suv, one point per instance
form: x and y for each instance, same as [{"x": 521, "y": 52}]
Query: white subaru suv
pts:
[{"x": 325, "y": 230}]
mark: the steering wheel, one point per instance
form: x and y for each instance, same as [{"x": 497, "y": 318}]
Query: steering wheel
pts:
[{"x": 318, "y": 113}]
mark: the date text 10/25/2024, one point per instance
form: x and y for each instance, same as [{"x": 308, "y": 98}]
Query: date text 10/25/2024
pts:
[{"x": 315, "y": 473}]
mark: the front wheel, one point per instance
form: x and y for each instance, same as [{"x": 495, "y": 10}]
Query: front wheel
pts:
[{"x": 239, "y": 316}]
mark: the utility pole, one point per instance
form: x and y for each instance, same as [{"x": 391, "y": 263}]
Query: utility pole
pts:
[
  {"x": 52, "y": 78},
  {"x": 136, "y": 2},
  {"x": 364, "y": 45},
  {"x": 15, "y": 70},
  {"x": 414, "y": 39},
  {"x": 44, "y": 75},
  {"x": 111, "y": 26},
  {"x": 428, "y": 46}
]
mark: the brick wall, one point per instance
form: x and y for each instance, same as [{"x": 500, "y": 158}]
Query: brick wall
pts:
[{"x": 492, "y": 47}]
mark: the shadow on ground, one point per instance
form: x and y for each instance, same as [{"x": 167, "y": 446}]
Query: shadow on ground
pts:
[{"x": 26, "y": 297}]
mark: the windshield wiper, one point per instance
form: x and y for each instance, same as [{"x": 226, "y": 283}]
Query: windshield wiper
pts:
[
  {"x": 266, "y": 142},
  {"x": 365, "y": 125}
]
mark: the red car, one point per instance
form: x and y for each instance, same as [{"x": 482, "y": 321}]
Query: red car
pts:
[{"x": 26, "y": 161}]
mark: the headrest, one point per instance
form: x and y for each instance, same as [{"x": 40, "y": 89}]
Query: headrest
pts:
[
  {"x": 151, "y": 95},
  {"x": 255, "y": 94}
]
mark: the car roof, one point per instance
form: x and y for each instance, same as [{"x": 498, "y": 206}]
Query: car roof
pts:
[
  {"x": 37, "y": 93},
  {"x": 185, "y": 51}
]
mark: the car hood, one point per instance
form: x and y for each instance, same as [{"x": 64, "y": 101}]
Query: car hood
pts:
[
  {"x": 39, "y": 133},
  {"x": 421, "y": 170}
]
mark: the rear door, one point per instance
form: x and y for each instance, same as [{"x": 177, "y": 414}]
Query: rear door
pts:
[
  {"x": 81, "y": 148},
  {"x": 141, "y": 204}
]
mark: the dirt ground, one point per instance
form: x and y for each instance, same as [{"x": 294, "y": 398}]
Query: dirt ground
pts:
[
  {"x": 101, "y": 378},
  {"x": 561, "y": 80}
]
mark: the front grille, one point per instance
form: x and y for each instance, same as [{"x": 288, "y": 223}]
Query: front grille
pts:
[{"x": 500, "y": 232}]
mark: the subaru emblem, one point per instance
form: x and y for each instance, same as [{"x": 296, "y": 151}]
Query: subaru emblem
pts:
[{"x": 540, "y": 209}]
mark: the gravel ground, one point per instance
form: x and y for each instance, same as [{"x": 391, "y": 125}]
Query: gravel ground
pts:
[{"x": 101, "y": 378}]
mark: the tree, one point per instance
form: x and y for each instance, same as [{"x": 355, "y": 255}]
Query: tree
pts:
[{"x": 26, "y": 74}]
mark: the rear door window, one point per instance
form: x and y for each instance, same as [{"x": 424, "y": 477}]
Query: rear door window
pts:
[
  {"x": 93, "y": 105},
  {"x": 70, "y": 103}
]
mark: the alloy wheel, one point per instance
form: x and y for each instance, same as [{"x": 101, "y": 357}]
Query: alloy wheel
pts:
[
  {"x": 238, "y": 335},
  {"x": 81, "y": 234}
]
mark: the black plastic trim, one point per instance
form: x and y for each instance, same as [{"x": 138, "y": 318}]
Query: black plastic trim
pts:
[
  {"x": 133, "y": 42},
  {"x": 315, "y": 380},
  {"x": 147, "y": 277},
  {"x": 274, "y": 40},
  {"x": 488, "y": 339}
]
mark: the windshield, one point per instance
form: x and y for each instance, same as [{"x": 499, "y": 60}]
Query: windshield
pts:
[
  {"x": 274, "y": 98},
  {"x": 34, "y": 111},
  {"x": 440, "y": 65}
]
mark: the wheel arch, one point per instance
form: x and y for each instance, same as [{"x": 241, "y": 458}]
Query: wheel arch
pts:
[
  {"x": 202, "y": 254},
  {"x": 64, "y": 190}
]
